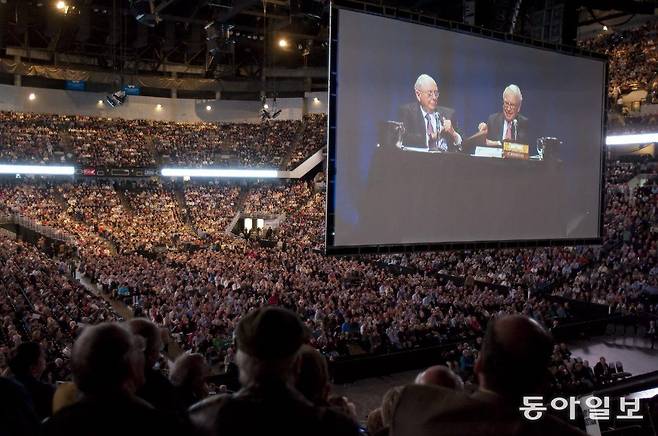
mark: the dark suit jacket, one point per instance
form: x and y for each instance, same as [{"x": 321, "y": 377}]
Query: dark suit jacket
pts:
[
  {"x": 17, "y": 417},
  {"x": 158, "y": 391},
  {"x": 432, "y": 410},
  {"x": 415, "y": 125},
  {"x": 496, "y": 124},
  {"x": 111, "y": 415},
  {"x": 40, "y": 393},
  {"x": 601, "y": 371},
  {"x": 271, "y": 409}
]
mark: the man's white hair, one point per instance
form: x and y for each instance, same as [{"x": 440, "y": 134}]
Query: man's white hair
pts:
[
  {"x": 514, "y": 90},
  {"x": 424, "y": 81}
]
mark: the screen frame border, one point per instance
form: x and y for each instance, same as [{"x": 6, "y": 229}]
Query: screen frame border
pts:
[{"x": 434, "y": 22}]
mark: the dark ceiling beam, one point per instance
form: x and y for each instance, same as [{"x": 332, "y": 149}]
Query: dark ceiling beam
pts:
[
  {"x": 278, "y": 2},
  {"x": 238, "y": 7},
  {"x": 603, "y": 18},
  {"x": 630, "y": 7},
  {"x": 165, "y": 17},
  {"x": 163, "y": 5},
  {"x": 256, "y": 13}
]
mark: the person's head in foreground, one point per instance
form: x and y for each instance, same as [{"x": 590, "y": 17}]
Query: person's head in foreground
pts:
[
  {"x": 189, "y": 374},
  {"x": 29, "y": 360},
  {"x": 268, "y": 359},
  {"x": 313, "y": 377},
  {"x": 514, "y": 358},
  {"x": 108, "y": 359},
  {"x": 153, "y": 337},
  {"x": 440, "y": 375},
  {"x": 268, "y": 341}
]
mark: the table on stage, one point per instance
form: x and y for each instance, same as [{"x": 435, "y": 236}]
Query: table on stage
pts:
[{"x": 461, "y": 191}]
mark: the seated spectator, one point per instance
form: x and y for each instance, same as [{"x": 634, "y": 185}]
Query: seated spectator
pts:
[
  {"x": 108, "y": 368},
  {"x": 602, "y": 370},
  {"x": 375, "y": 424},
  {"x": 268, "y": 342},
  {"x": 17, "y": 417},
  {"x": 27, "y": 366},
  {"x": 157, "y": 389},
  {"x": 513, "y": 363},
  {"x": 389, "y": 403},
  {"x": 65, "y": 395},
  {"x": 188, "y": 376},
  {"x": 313, "y": 377},
  {"x": 439, "y": 375}
]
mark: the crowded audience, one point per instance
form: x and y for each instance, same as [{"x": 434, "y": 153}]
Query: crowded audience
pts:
[
  {"x": 313, "y": 138},
  {"x": 632, "y": 54},
  {"x": 119, "y": 143},
  {"x": 165, "y": 252}
]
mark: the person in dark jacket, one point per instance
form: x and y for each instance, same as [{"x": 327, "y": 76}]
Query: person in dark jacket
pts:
[
  {"x": 188, "y": 375},
  {"x": 27, "y": 366},
  {"x": 17, "y": 417},
  {"x": 108, "y": 368},
  {"x": 268, "y": 341},
  {"x": 157, "y": 389}
]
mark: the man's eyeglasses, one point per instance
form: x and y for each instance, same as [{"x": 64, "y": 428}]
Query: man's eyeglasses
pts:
[
  {"x": 430, "y": 93},
  {"x": 510, "y": 105}
]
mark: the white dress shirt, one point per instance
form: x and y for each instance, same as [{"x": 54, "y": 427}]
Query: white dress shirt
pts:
[
  {"x": 437, "y": 126},
  {"x": 507, "y": 125}
]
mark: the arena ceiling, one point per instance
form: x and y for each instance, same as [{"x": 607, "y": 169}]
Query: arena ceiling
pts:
[{"x": 170, "y": 37}]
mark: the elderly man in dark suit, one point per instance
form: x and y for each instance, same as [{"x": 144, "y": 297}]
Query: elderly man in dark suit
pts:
[
  {"x": 427, "y": 124},
  {"x": 509, "y": 125},
  {"x": 512, "y": 364}
]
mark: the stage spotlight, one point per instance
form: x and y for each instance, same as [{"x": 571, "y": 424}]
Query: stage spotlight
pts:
[
  {"x": 61, "y": 5},
  {"x": 208, "y": 108},
  {"x": 32, "y": 96},
  {"x": 269, "y": 111},
  {"x": 283, "y": 43},
  {"x": 158, "y": 107}
]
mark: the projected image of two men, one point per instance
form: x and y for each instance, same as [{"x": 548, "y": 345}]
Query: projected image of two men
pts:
[{"x": 445, "y": 137}]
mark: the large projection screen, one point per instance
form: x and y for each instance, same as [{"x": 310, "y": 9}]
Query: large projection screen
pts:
[{"x": 444, "y": 138}]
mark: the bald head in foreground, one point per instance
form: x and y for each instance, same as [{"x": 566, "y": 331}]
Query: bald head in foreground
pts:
[
  {"x": 513, "y": 363},
  {"x": 440, "y": 375}
]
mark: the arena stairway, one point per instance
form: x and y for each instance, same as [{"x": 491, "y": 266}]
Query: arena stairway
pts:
[
  {"x": 67, "y": 144},
  {"x": 125, "y": 203},
  {"x": 173, "y": 350},
  {"x": 57, "y": 196},
  {"x": 298, "y": 136}
]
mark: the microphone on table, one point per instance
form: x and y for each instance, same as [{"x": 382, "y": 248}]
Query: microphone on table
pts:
[{"x": 514, "y": 124}]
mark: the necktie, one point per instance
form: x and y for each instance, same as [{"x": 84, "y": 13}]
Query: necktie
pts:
[
  {"x": 431, "y": 143},
  {"x": 508, "y": 132}
]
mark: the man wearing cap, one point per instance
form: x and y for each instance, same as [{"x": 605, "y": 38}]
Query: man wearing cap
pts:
[{"x": 268, "y": 340}]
